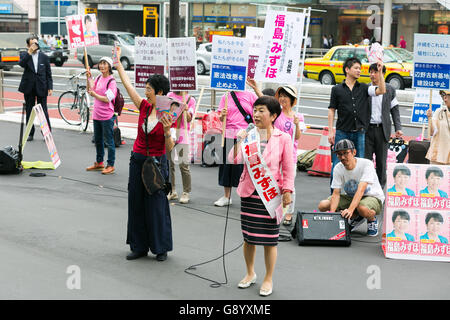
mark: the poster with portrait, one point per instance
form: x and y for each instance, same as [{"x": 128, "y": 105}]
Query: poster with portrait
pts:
[
  {"x": 82, "y": 30},
  {"x": 417, "y": 212},
  {"x": 48, "y": 137}
]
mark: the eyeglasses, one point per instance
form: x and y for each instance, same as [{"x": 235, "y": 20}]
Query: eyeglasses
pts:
[{"x": 341, "y": 154}]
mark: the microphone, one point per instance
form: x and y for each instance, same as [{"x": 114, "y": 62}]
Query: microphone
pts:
[{"x": 247, "y": 130}]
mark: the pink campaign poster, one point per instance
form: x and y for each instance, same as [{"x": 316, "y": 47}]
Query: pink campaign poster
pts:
[
  {"x": 82, "y": 30},
  {"x": 417, "y": 212}
]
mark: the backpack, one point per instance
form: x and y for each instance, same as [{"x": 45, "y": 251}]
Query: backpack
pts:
[
  {"x": 119, "y": 101},
  {"x": 306, "y": 160}
]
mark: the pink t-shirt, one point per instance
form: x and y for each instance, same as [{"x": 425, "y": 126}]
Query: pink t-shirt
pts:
[
  {"x": 235, "y": 119},
  {"x": 104, "y": 110},
  {"x": 286, "y": 124},
  {"x": 191, "y": 109}
]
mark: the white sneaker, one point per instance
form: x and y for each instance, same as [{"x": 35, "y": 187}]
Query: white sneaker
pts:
[
  {"x": 224, "y": 201},
  {"x": 184, "y": 197},
  {"x": 172, "y": 196}
]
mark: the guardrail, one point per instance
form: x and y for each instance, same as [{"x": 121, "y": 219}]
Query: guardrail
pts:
[{"x": 14, "y": 84}]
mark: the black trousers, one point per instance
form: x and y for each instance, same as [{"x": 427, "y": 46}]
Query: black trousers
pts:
[
  {"x": 30, "y": 102},
  {"x": 376, "y": 144}
]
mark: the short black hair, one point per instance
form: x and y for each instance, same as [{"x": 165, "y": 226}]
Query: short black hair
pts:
[
  {"x": 374, "y": 67},
  {"x": 349, "y": 62},
  {"x": 31, "y": 38},
  {"x": 87, "y": 17},
  {"x": 271, "y": 103},
  {"x": 437, "y": 172},
  {"x": 268, "y": 92},
  {"x": 403, "y": 169},
  {"x": 159, "y": 83},
  {"x": 402, "y": 213},
  {"x": 434, "y": 215}
]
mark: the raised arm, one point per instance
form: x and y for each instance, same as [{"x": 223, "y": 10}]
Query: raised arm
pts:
[{"x": 134, "y": 95}]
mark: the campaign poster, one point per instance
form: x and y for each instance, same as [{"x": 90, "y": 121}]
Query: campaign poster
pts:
[
  {"x": 281, "y": 48},
  {"x": 150, "y": 58},
  {"x": 182, "y": 64},
  {"x": 417, "y": 212},
  {"x": 48, "y": 137},
  {"x": 255, "y": 38},
  {"x": 82, "y": 30},
  {"x": 431, "y": 61},
  {"x": 229, "y": 61},
  {"x": 422, "y": 104}
]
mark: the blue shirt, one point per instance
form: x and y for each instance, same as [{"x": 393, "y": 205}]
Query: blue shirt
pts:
[
  {"x": 408, "y": 236},
  {"x": 441, "y": 238},
  {"x": 442, "y": 194},
  {"x": 409, "y": 192}
]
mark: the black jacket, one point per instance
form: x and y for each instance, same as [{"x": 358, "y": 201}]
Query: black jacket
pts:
[{"x": 42, "y": 79}]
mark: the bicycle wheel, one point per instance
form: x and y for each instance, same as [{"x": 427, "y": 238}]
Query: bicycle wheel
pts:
[
  {"x": 68, "y": 108},
  {"x": 84, "y": 111}
]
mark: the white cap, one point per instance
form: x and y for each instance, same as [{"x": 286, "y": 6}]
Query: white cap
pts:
[{"x": 107, "y": 59}]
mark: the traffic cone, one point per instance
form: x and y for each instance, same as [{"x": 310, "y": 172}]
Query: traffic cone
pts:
[{"x": 322, "y": 161}]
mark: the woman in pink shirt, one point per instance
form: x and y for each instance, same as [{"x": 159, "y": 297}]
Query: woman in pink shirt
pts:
[
  {"x": 258, "y": 227},
  {"x": 103, "y": 89}
]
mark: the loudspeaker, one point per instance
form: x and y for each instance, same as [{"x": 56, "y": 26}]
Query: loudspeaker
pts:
[
  {"x": 321, "y": 228},
  {"x": 417, "y": 152},
  {"x": 9, "y": 161}
]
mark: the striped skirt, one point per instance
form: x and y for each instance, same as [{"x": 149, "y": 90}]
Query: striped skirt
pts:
[{"x": 258, "y": 227}]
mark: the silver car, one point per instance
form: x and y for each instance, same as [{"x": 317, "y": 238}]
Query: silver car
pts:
[
  {"x": 106, "y": 40},
  {"x": 204, "y": 58}
]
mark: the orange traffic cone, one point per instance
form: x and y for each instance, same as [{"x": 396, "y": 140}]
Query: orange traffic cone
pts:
[{"x": 322, "y": 161}]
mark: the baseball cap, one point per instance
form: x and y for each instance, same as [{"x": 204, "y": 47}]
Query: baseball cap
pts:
[
  {"x": 344, "y": 144},
  {"x": 290, "y": 89},
  {"x": 107, "y": 59}
]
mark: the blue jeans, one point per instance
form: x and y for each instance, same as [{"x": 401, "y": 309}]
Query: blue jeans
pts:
[
  {"x": 358, "y": 139},
  {"x": 103, "y": 134}
]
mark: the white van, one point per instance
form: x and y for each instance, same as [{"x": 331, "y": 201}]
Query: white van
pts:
[{"x": 104, "y": 49}]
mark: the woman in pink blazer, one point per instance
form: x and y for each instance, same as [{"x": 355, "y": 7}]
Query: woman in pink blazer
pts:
[{"x": 258, "y": 227}]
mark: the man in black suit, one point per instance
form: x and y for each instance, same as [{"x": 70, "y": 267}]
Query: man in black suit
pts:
[
  {"x": 379, "y": 132},
  {"x": 37, "y": 80}
]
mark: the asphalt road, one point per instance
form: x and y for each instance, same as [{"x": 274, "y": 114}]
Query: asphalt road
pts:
[{"x": 69, "y": 228}]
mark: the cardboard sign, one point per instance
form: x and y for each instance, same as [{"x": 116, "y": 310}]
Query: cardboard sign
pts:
[
  {"x": 417, "y": 212},
  {"x": 229, "y": 62},
  {"x": 150, "y": 58},
  {"x": 82, "y": 30},
  {"x": 182, "y": 64},
  {"x": 280, "y": 57},
  {"x": 431, "y": 61}
]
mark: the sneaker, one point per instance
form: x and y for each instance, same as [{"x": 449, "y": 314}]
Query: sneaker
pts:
[
  {"x": 172, "y": 196},
  {"x": 184, "y": 197},
  {"x": 224, "y": 201},
  {"x": 108, "y": 170},
  {"x": 353, "y": 223},
  {"x": 97, "y": 166},
  {"x": 372, "y": 228}
]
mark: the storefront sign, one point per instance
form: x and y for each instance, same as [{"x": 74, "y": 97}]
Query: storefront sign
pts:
[
  {"x": 422, "y": 104},
  {"x": 417, "y": 212},
  {"x": 182, "y": 64},
  {"x": 150, "y": 58},
  {"x": 229, "y": 60},
  {"x": 279, "y": 58},
  {"x": 255, "y": 38},
  {"x": 431, "y": 61}
]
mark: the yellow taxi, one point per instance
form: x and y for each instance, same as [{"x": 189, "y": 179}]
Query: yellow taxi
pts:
[{"x": 328, "y": 69}]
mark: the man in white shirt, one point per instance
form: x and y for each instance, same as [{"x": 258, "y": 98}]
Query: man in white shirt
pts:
[
  {"x": 377, "y": 136},
  {"x": 356, "y": 190}
]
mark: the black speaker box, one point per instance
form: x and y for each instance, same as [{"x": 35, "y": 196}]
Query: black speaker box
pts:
[
  {"x": 321, "y": 228},
  {"x": 9, "y": 161}
]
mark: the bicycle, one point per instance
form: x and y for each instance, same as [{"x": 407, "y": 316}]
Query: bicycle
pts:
[{"x": 73, "y": 105}]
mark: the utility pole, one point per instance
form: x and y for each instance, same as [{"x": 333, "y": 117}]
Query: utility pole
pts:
[{"x": 174, "y": 19}]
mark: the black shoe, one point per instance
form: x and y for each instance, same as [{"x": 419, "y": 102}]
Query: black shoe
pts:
[
  {"x": 136, "y": 255},
  {"x": 30, "y": 138},
  {"x": 161, "y": 256}
]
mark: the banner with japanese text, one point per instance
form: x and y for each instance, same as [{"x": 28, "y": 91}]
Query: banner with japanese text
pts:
[
  {"x": 229, "y": 61},
  {"x": 281, "y": 48},
  {"x": 48, "y": 137},
  {"x": 422, "y": 104},
  {"x": 255, "y": 38},
  {"x": 149, "y": 58},
  {"x": 182, "y": 64},
  {"x": 417, "y": 212},
  {"x": 82, "y": 30}
]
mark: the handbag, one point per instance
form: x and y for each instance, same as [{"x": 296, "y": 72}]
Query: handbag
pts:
[{"x": 151, "y": 175}]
